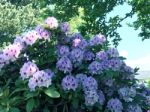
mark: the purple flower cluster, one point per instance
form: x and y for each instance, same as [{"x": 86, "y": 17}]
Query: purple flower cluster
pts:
[
  {"x": 39, "y": 79},
  {"x": 145, "y": 92},
  {"x": 64, "y": 27},
  {"x": 81, "y": 78},
  {"x": 49, "y": 72},
  {"x": 102, "y": 55},
  {"x": 128, "y": 72},
  {"x": 64, "y": 64},
  {"x": 43, "y": 33},
  {"x": 28, "y": 69},
  {"x": 113, "y": 52},
  {"x": 88, "y": 56},
  {"x": 127, "y": 94},
  {"x": 101, "y": 97},
  {"x": 77, "y": 36},
  {"x": 128, "y": 69},
  {"x": 147, "y": 100},
  {"x": 80, "y": 43},
  {"x": 30, "y": 37},
  {"x": 97, "y": 40},
  {"x": 76, "y": 56},
  {"x": 36, "y": 78},
  {"x": 105, "y": 60},
  {"x": 63, "y": 51},
  {"x": 79, "y": 52},
  {"x": 114, "y": 105},
  {"x": 134, "y": 108},
  {"x": 109, "y": 82},
  {"x": 95, "y": 67},
  {"x": 109, "y": 91},
  {"x": 90, "y": 84},
  {"x": 76, "y": 42},
  {"x": 69, "y": 83},
  {"x": 115, "y": 64},
  {"x": 2, "y": 61},
  {"x": 91, "y": 97},
  {"x": 90, "y": 87}
]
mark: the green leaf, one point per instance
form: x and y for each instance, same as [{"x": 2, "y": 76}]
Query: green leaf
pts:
[
  {"x": 4, "y": 110},
  {"x": 46, "y": 110},
  {"x": 18, "y": 82},
  {"x": 75, "y": 103},
  {"x": 18, "y": 90},
  {"x": 51, "y": 92},
  {"x": 6, "y": 92},
  {"x": 30, "y": 105},
  {"x": 15, "y": 100},
  {"x": 14, "y": 110},
  {"x": 31, "y": 94},
  {"x": 1, "y": 94}
]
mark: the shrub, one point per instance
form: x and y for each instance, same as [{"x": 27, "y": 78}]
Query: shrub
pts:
[{"x": 50, "y": 69}]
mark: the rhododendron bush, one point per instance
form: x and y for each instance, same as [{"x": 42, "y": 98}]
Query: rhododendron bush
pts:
[{"x": 49, "y": 69}]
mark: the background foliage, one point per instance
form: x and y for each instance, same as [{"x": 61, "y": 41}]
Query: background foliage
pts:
[
  {"x": 15, "y": 19},
  {"x": 142, "y": 9},
  {"x": 88, "y": 16}
]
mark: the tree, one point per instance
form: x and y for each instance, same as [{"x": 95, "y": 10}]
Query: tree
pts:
[
  {"x": 14, "y": 20},
  {"x": 90, "y": 17},
  {"x": 142, "y": 9},
  {"x": 92, "y": 20}
]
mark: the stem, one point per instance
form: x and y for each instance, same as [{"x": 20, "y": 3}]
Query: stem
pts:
[
  {"x": 55, "y": 109},
  {"x": 66, "y": 107}
]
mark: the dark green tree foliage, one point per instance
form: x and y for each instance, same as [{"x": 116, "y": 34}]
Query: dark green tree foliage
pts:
[
  {"x": 94, "y": 14},
  {"x": 14, "y": 20},
  {"x": 94, "y": 17},
  {"x": 142, "y": 9}
]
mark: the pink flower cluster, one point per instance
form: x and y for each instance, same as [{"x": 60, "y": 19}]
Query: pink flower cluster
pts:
[
  {"x": 36, "y": 78},
  {"x": 12, "y": 52},
  {"x": 51, "y": 22},
  {"x": 30, "y": 37},
  {"x": 28, "y": 69},
  {"x": 43, "y": 33}
]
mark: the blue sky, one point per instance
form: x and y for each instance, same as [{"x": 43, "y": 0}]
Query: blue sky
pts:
[{"x": 132, "y": 47}]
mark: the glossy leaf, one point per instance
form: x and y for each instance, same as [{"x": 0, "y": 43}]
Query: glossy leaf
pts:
[{"x": 51, "y": 92}]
